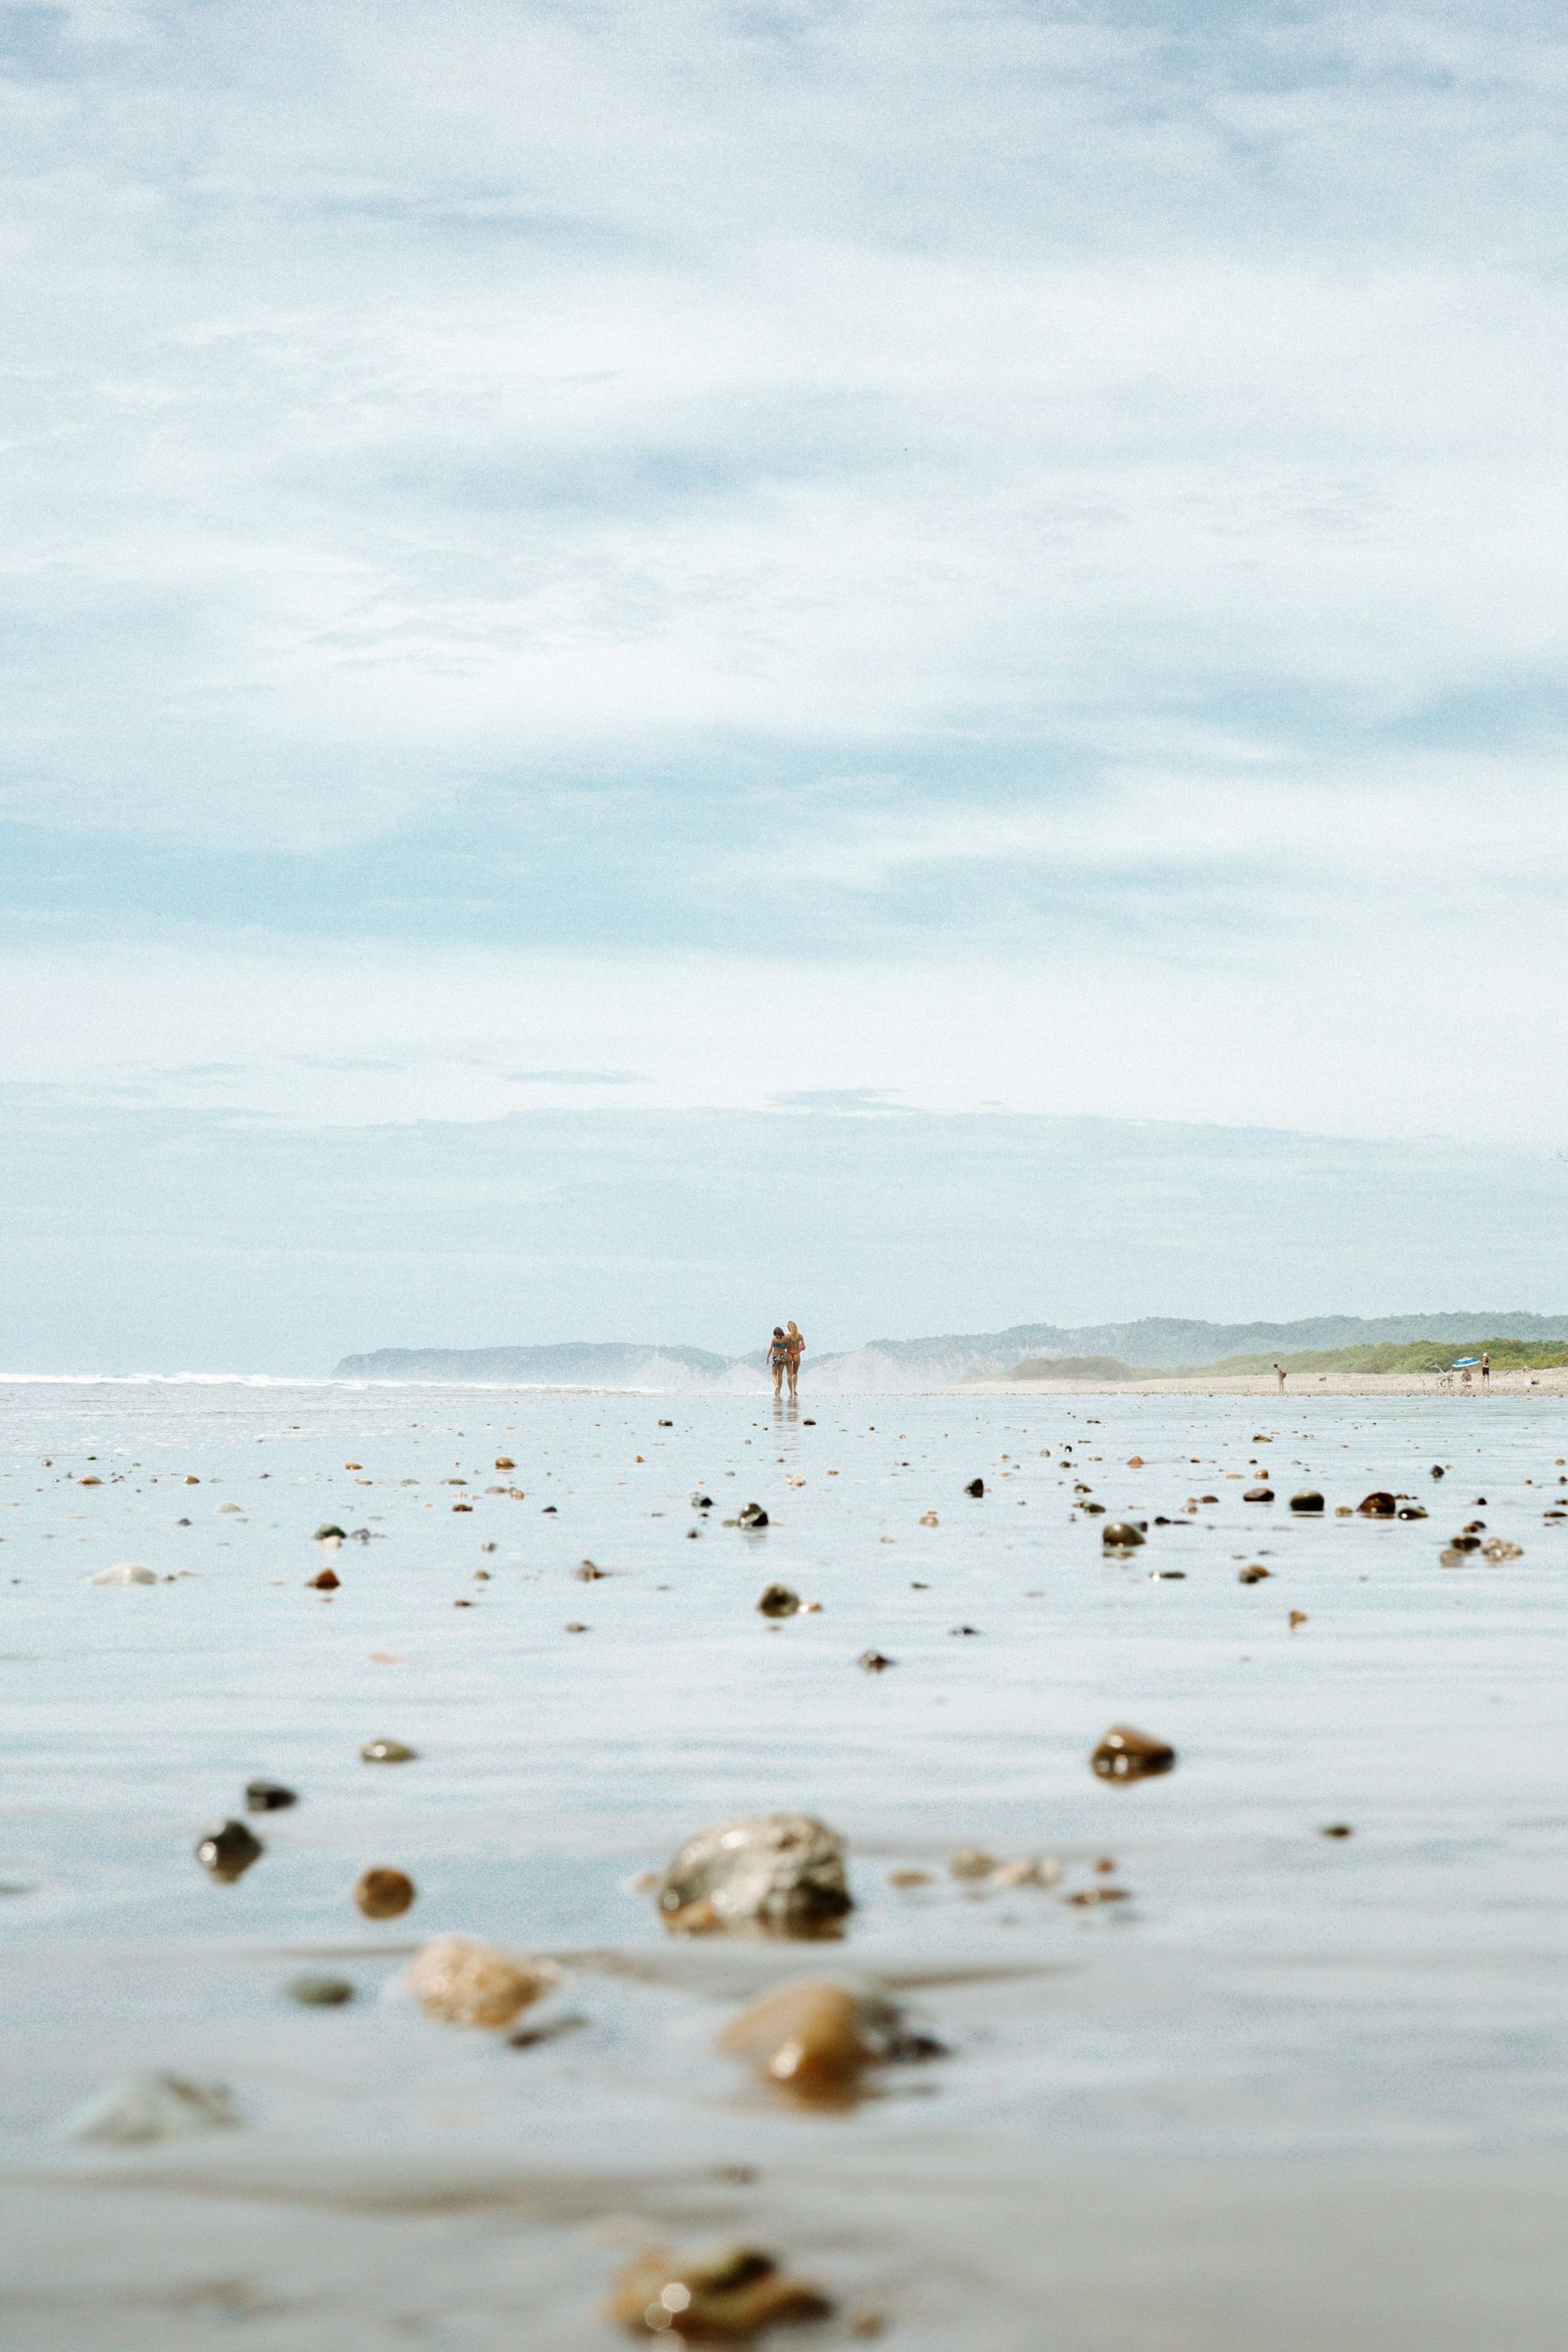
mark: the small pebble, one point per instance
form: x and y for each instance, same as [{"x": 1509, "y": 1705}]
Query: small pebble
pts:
[
  {"x": 726, "y": 2297},
  {"x": 268, "y": 1797},
  {"x": 319, "y": 1992},
  {"x": 383, "y": 1894},
  {"x": 1126, "y": 1754},
  {"x": 227, "y": 1852},
  {"x": 387, "y": 1751},
  {"x": 460, "y": 1980}
]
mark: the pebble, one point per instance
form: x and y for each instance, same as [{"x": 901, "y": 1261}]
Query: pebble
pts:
[
  {"x": 813, "y": 2039},
  {"x": 460, "y": 1980},
  {"x": 874, "y": 1661},
  {"x": 973, "y": 1862},
  {"x": 928, "y": 1519},
  {"x": 1379, "y": 1504},
  {"x": 383, "y": 1894},
  {"x": 725, "y": 2297},
  {"x": 128, "y": 1571},
  {"x": 228, "y": 1851},
  {"x": 387, "y": 1751},
  {"x": 1120, "y": 1535},
  {"x": 319, "y": 1992},
  {"x": 505, "y": 1461},
  {"x": 752, "y": 1515},
  {"x": 268, "y": 1797},
  {"x": 1412, "y": 1511},
  {"x": 1253, "y": 1575},
  {"x": 154, "y": 2107},
  {"x": 327, "y": 1581},
  {"x": 977, "y": 1486},
  {"x": 1259, "y": 1495},
  {"x": 1307, "y": 1500},
  {"x": 1335, "y": 1830},
  {"x": 587, "y": 1572},
  {"x": 1126, "y": 1754},
  {"x": 778, "y": 1601},
  {"x": 768, "y": 1874},
  {"x": 328, "y": 1533}
]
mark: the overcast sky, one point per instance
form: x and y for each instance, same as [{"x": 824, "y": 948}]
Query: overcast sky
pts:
[{"x": 989, "y": 559}]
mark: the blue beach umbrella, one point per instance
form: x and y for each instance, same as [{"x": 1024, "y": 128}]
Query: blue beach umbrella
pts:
[{"x": 1460, "y": 1361}]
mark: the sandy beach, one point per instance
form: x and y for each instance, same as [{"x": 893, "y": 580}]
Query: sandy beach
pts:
[
  {"x": 1301, "y": 1387},
  {"x": 1285, "y": 2088}
]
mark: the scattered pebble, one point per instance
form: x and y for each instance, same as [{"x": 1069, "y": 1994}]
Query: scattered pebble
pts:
[
  {"x": 319, "y": 1992},
  {"x": 778, "y": 1601},
  {"x": 1254, "y": 1574},
  {"x": 1126, "y": 1754},
  {"x": 1307, "y": 1500},
  {"x": 1120, "y": 1535},
  {"x": 875, "y": 1661},
  {"x": 128, "y": 1571},
  {"x": 155, "y": 2107},
  {"x": 460, "y": 1980},
  {"x": 767, "y": 1873},
  {"x": 813, "y": 2040},
  {"x": 1259, "y": 1495},
  {"x": 227, "y": 1852},
  {"x": 383, "y": 1894},
  {"x": 973, "y": 1862},
  {"x": 1379, "y": 1504},
  {"x": 387, "y": 1751},
  {"x": 977, "y": 1486},
  {"x": 1335, "y": 1830},
  {"x": 327, "y": 1581},
  {"x": 268, "y": 1797},
  {"x": 752, "y": 1515}
]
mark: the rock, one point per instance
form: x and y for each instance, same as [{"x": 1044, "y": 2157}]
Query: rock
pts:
[
  {"x": 1255, "y": 1574},
  {"x": 383, "y": 1894},
  {"x": 327, "y": 1581},
  {"x": 1087, "y": 1897},
  {"x": 1439, "y": 1471},
  {"x": 1495, "y": 1549},
  {"x": 1135, "y": 1462},
  {"x": 1466, "y": 1542},
  {"x": 813, "y": 2040},
  {"x": 330, "y": 1533},
  {"x": 1120, "y": 1535},
  {"x": 587, "y": 1572},
  {"x": 319, "y": 1992},
  {"x": 723, "y": 2298},
  {"x": 699, "y": 1501},
  {"x": 459, "y": 1980},
  {"x": 147, "y": 2108},
  {"x": 387, "y": 1751},
  {"x": 977, "y": 1486},
  {"x": 1307, "y": 1500},
  {"x": 221, "y": 1508},
  {"x": 1125, "y": 1754},
  {"x": 92, "y": 1479},
  {"x": 1297, "y": 1617},
  {"x": 875, "y": 1661},
  {"x": 1379, "y": 1504},
  {"x": 1412, "y": 1511},
  {"x": 228, "y": 1851},
  {"x": 1259, "y": 1495},
  {"x": 766, "y": 1873},
  {"x": 268, "y": 1797},
  {"x": 778, "y": 1601},
  {"x": 1335, "y": 1830},
  {"x": 928, "y": 1519},
  {"x": 505, "y": 1461},
  {"x": 908, "y": 1878},
  {"x": 752, "y": 1515},
  {"x": 128, "y": 1571},
  {"x": 973, "y": 1862}
]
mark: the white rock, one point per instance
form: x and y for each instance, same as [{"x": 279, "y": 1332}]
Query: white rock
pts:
[
  {"x": 146, "y": 2108},
  {"x": 129, "y": 1571}
]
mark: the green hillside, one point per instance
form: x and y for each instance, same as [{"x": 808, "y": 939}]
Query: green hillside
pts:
[{"x": 1397, "y": 1356}]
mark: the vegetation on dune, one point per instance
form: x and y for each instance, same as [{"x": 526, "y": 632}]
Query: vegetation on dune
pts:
[
  {"x": 1073, "y": 1368},
  {"x": 1383, "y": 1356}
]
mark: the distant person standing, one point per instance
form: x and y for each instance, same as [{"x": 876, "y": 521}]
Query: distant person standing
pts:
[
  {"x": 778, "y": 1359},
  {"x": 1486, "y": 1367},
  {"x": 795, "y": 1346},
  {"x": 1279, "y": 1376}
]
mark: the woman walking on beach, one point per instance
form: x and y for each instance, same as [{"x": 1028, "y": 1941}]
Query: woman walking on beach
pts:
[
  {"x": 779, "y": 1360},
  {"x": 795, "y": 1346}
]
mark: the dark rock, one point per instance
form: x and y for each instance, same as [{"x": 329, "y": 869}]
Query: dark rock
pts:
[
  {"x": 1125, "y": 1754},
  {"x": 227, "y": 1852},
  {"x": 268, "y": 1797},
  {"x": 1120, "y": 1535},
  {"x": 327, "y": 1581},
  {"x": 1307, "y": 1500},
  {"x": 387, "y": 1751},
  {"x": 319, "y": 1992},
  {"x": 383, "y": 1894},
  {"x": 778, "y": 1601},
  {"x": 1253, "y": 1575},
  {"x": 874, "y": 1661},
  {"x": 964, "y": 1629},
  {"x": 1259, "y": 1495},
  {"x": 1379, "y": 1504},
  {"x": 1439, "y": 1471},
  {"x": 1412, "y": 1511},
  {"x": 975, "y": 1486},
  {"x": 325, "y": 1534},
  {"x": 1335, "y": 1830},
  {"x": 752, "y": 1515}
]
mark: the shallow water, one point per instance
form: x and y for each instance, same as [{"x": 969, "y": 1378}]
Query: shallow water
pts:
[{"x": 1276, "y": 2025}]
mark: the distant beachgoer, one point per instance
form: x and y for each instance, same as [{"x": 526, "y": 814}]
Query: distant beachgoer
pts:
[
  {"x": 796, "y": 1347},
  {"x": 778, "y": 1357},
  {"x": 1486, "y": 1365},
  {"x": 1279, "y": 1376}
]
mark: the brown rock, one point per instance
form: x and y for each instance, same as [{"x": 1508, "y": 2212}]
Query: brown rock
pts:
[
  {"x": 778, "y": 1601},
  {"x": 765, "y": 1873},
  {"x": 328, "y": 1580},
  {"x": 459, "y": 1980},
  {"x": 1126, "y": 1754},
  {"x": 1379, "y": 1504},
  {"x": 387, "y": 1751},
  {"x": 1307, "y": 1500},
  {"x": 227, "y": 1852},
  {"x": 383, "y": 1894},
  {"x": 812, "y": 2040},
  {"x": 1259, "y": 1495},
  {"x": 725, "y": 2298},
  {"x": 1253, "y": 1575}
]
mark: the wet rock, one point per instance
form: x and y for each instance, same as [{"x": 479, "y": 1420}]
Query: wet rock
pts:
[
  {"x": 928, "y": 1519},
  {"x": 587, "y": 1572},
  {"x": 813, "y": 2040},
  {"x": 1120, "y": 1535},
  {"x": 752, "y": 1515},
  {"x": 155, "y": 2107},
  {"x": 460, "y": 1980},
  {"x": 1466, "y": 1542},
  {"x": 319, "y": 1992},
  {"x": 973, "y": 1862},
  {"x": 1259, "y": 1495},
  {"x": 1297, "y": 1617},
  {"x": 977, "y": 1486},
  {"x": 767, "y": 1873},
  {"x": 1412, "y": 1511},
  {"x": 1379, "y": 1504},
  {"x": 1254, "y": 1574},
  {"x": 1439, "y": 1471},
  {"x": 387, "y": 1751},
  {"x": 1307, "y": 1500},
  {"x": 1127, "y": 1754},
  {"x": 505, "y": 1461},
  {"x": 1095, "y": 1510},
  {"x": 726, "y": 2297},
  {"x": 328, "y": 1533},
  {"x": 227, "y": 1852},
  {"x": 328, "y": 1580},
  {"x": 127, "y": 1571},
  {"x": 383, "y": 1894},
  {"x": 699, "y": 1501},
  {"x": 875, "y": 1661},
  {"x": 1496, "y": 1550},
  {"x": 1335, "y": 1830},
  {"x": 778, "y": 1601},
  {"x": 268, "y": 1797}
]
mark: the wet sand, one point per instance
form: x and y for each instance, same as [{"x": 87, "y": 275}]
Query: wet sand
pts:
[
  {"x": 1297, "y": 2090},
  {"x": 1301, "y": 1386}
]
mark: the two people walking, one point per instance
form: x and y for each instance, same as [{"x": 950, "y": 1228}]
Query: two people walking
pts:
[{"x": 784, "y": 1352}]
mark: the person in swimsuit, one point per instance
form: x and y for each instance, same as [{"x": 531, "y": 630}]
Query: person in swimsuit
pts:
[
  {"x": 797, "y": 1349},
  {"x": 778, "y": 1357}
]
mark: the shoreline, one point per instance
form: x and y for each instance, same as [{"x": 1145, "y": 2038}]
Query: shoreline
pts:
[{"x": 1299, "y": 1385}]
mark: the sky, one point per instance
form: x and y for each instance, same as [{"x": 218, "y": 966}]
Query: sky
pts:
[{"x": 836, "y": 597}]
